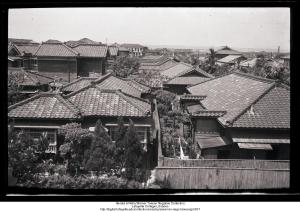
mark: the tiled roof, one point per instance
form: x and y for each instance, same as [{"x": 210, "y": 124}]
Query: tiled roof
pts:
[
  {"x": 233, "y": 93},
  {"x": 229, "y": 58},
  {"x": 186, "y": 80},
  {"x": 142, "y": 87},
  {"x": 44, "y": 105},
  {"x": 227, "y": 50},
  {"x": 93, "y": 101},
  {"x": 210, "y": 140},
  {"x": 196, "y": 70},
  {"x": 113, "y": 50},
  {"x": 206, "y": 113},
  {"x": 115, "y": 83},
  {"x": 176, "y": 70},
  {"x": 249, "y": 62},
  {"x": 160, "y": 66},
  {"x": 27, "y": 48},
  {"x": 87, "y": 50},
  {"x": 13, "y": 40},
  {"x": 77, "y": 84},
  {"x": 55, "y": 49},
  {"x": 192, "y": 97},
  {"x": 32, "y": 78},
  {"x": 271, "y": 111}
]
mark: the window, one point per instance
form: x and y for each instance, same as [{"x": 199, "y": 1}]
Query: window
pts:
[
  {"x": 50, "y": 135},
  {"x": 143, "y": 133},
  {"x": 207, "y": 126}
]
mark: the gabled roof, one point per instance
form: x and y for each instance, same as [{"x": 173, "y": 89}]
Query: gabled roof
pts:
[
  {"x": 44, "y": 105},
  {"x": 176, "y": 70},
  {"x": 161, "y": 65},
  {"x": 113, "y": 82},
  {"x": 187, "y": 80},
  {"x": 272, "y": 110},
  {"x": 227, "y": 50},
  {"x": 25, "y": 48},
  {"x": 232, "y": 93},
  {"x": 55, "y": 49},
  {"x": 91, "y": 50},
  {"x": 229, "y": 58},
  {"x": 108, "y": 81},
  {"x": 113, "y": 50},
  {"x": 94, "y": 101}
]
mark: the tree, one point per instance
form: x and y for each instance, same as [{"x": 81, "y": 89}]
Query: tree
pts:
[
  {"x": 212, "y": 60},
  {"x": 76, "y": 142},
  {"x": 100, "y": 157},
  {"x": 134, "y": 153},
  {"x": 25, "y": 154},
  {"x": 164, "y": 101},
  {"x": 13, "y": 88},
  {"x": 120, "y": 152},
  {"x": 125, "y": 66}
]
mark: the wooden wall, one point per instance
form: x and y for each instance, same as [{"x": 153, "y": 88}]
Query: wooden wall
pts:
[
  {"x": 223, "y": 178},
  {"x": 86, "y": 65},
  {"x": 62, "y": 68},
  {"x": 223, "y": 174}
]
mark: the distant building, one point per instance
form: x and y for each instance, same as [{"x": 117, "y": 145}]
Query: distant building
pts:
[
  {"x": 21, "y": 54},
  {"x": 56, "y": 59},
  {"x": 135, "y": 50},
  {"x": 231, "y": 60},
  {"x": 286, "y": 61},
  {"x": 226, "y": 51}
]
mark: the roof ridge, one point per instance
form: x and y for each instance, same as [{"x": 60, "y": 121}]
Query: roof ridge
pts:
[
  {"x": 92, "y": 84},
  {"x": 29, "y": 76},
  {"x": 253, "y": 76},
  {"x": 68, "y": 104},
  {"x": 220, "y": 76},
  {"x": 34, "y": 73},
  {"x": 101, "y": 78},
  {"x": 15, "y": 47},
  {"x": 79, "y": 90},
  {"x": 267, "y": 90},
  {"x": 71, "y": 49},
  {"x": 123, "y": 95},
  {"x": 40, "y": 45},
  {"x": 71, "y": 83}
]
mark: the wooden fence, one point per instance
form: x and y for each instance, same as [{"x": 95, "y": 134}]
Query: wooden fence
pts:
[
  {"x": 228, "y": 163},
  {"x": 223, "y": 174}
]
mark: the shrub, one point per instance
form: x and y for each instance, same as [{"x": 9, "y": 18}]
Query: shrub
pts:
[{"x": 82, "y": 182}]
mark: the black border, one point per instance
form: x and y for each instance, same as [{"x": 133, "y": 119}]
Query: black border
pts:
[{"x": 291, "y": 194}]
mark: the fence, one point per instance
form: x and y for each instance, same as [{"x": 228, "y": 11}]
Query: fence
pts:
[
  {"x": 228, "y": 163},
  {"x": 223, "y": 174}
]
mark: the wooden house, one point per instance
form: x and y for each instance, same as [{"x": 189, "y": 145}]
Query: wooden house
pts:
[
  {"x": 226, "y": 51},
  {"x": 185, "y": 78},
  {"x": 240, "y": 116},
  {"x": 48, "y": 111}
]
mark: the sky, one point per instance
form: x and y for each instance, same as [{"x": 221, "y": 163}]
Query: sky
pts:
[{"x": 263, "y": 28}]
